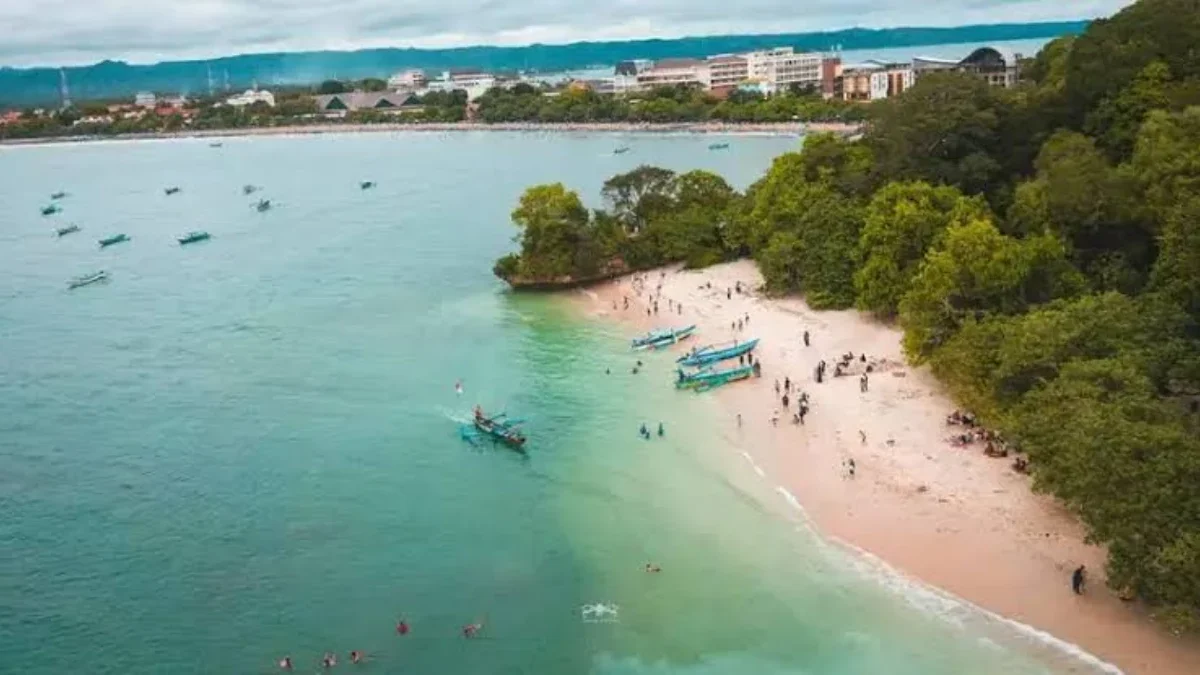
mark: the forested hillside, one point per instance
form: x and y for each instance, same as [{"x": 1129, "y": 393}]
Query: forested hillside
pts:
[{"x": 1040, "y": 247}]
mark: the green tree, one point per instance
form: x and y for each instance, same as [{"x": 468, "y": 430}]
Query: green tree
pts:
[
  {"x": 331, "y": 87},
  {"x": 372, "y": 84},
  {"x": 1166, "y": 159},
  {"x": 639, "y": 196},
  {"x": 554, "y": 226},
  {"x": 692, "y": 231},
  {"x": 1177, "y": 270},
  {"x": 1117, "y": 119},
  {"x": 976, "y": 272},
  {"x": 901, "y": 222}
]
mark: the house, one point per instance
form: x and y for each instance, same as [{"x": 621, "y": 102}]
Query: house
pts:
[
  {"x": 923, "y": 65},
  {"x": 875, "y": 80},
  {"x": 338, "y": 105},
  {"x": 250, "y": 97},
  {"x": 10, "y": 117},
  {"x": 727, "y": 71},
  {"x": 408, "y": 80},
  {"x": 672, "y": 72},
  {"x": 144, "y": 99},
  {"x": 473, "y": 82},
  {"x": 782, "y": 67},
  {"x": 997, "y": 66}
]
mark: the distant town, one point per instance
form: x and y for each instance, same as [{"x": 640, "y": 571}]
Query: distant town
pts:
[{"x": 777, "y": 85}]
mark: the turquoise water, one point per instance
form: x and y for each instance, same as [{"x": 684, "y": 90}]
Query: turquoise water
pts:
[{"x": 250, "y": 447}]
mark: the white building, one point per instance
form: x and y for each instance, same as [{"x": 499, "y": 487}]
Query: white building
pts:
[
  {"x": 251, "y": 96},
  {"x": 782, "y": 67},
  {"x": 145, "y": 99},
  {"x": 474, "y": 82},
  {"x": 408, "y": 80},
  {"x": 727, "y": 71},
  {"x": 671, "y": 72}
]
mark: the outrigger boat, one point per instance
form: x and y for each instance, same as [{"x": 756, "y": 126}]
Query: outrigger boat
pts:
[
  {"x": 92, "y": 278},
  {"x": 662, "y": 338},
  {"x": 193, "y": 237},
  {"x": 115, "y": 239},
  {"x": 718, "y": 146},
  {"x": 248, "y": 189},
  {"x": 67, "y": 230},
  {"x": 170, "y": 191},
  {"x": 263, "y": 205},
  {"x": 499, "y": 428},
  {"x": 703, "y": 380},
  {"x": 715, "y": 353},
  {"x": 51, "y": 209},
  {"x": 366, "y": 185},
  {"x": 621, "y": 150},
  {"x": 58, "y": 195}
]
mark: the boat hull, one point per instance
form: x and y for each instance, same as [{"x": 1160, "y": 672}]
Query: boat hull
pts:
[
  {"x": 704, "y": 358},
  {"x": 663, "y": 339},
  {"x": 500, "y": 434},
  {"x": 710, "y": 379}
]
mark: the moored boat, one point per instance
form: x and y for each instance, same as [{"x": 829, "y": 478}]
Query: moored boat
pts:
[
  {"x": 51, "y": 209},
  {"x": 58, "y": 195},
  {"x": 170, "y": 191},
  {"x": 86, "y": 280},
  {"x": 193, "y": 237},
  {"x": 662, "y": 338},
  {"x": 263, "y": 205},
  {"x": 500, "y": 428},
  {"x": 621, "y": 150},
  {"x": 714, "y": 353},
  {"x": 67, "y": 230},
  {"x": 366, "y": 184},
  {"x": 718, "y": 146},
  {"x": 703, "y": 380},
  {"x": 248, "y": 189},
  {"x": 115, "y": 239}
]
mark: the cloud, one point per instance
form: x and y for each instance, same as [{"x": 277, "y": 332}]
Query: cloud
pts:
[{"x": 52, "y": 32}]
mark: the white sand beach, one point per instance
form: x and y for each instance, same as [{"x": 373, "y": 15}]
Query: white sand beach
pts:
[{"x": 951, "y": 517}]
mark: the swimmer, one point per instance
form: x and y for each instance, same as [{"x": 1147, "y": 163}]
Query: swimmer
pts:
[
  {"x": 653, "y": 568},
  {"x": 401, "y": 627},
  {"x": 329, "y": 660},
  {"x": 471, "y": 630},
  {"x": 285, "y": 663},
  {"x": 356, "y": 657}
]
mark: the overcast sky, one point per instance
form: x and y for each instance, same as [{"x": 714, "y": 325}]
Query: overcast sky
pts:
[{"x": 59, "y": 32}]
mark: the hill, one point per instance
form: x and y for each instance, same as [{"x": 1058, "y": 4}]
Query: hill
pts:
[{"x": 112, "y": 79}]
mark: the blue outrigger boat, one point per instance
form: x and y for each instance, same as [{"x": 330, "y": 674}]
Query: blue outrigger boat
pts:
[
  {"x": 705, "y": 379},
  {"x": 715, "y": 353},
  {"x": 498, "y": 428},
  {"x": 663, "y": 338}
]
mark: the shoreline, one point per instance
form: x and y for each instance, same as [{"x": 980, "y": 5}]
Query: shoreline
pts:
[
  {"x": 952, "y": 518},
  {"x": 752, "y": 128}
]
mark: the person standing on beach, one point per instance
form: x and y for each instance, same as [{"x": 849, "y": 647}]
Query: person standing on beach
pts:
[
  {"x": 1077, "y": 579},
  {"x": 850, "y": 466},
  {"x": 862, "y": 383},
  {"x": 785, "y": 401},
  {"x": 728, "y": 294},
  {"x": 787, "y": 384},
  {"x": 776, "y": 387},
  {"x": 805, "y": 338}
]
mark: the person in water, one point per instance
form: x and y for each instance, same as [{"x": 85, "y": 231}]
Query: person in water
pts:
[
  {"x": 471, "y": 630},
  {"x": 401, "y": 627},
  {"x": 644, "y": 432},
  {"x": 478, "y": 412},
  {"x": 356, "y": 657},
  {"x": 285, "y": 663},
  {"x": 329, "y": 660},
  {"x": 650, "y": 567},
  {"x": 1078, "y": 579},
  {"x": 661, "y": 431}
]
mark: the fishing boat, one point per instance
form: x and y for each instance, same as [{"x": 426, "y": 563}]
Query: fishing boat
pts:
[
  {"x": 193, "y": 237},
  {"x": 708, "y": 378},
  {"x": 621, "y": 150},
  {"x": 67, "y": 230},
  {"x": 718, "y": 146},
  {"x": 170, "y": 191},
  {"x": 51, "y": 209},
  {"x": 662, "y": 338},
  {"x": 115, "y": 239},
  {"x": 500, "y": 428},
  {"x": 92, "y": 278},
  {"x": 263, "y": 205},
  {"x": 58, "y": 195},
  {"x": 248, "y": 189},
  {"x": 715, "y": 353},
  {"x": 366, "y": 185},
  {"x": 216, "y": 145}
]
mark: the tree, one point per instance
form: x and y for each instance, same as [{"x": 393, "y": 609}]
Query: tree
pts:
[
  {"x": 331, "y": 87},
  {"x": 373, "y": 84},
  {"x": 1177, "y": 270},
  {"x": 1115, "y": 122},
  {"x": 640, "y": 195},
  {"x": 845, "y": 165},
  {"x": 901, "y": 222},
  {"x": 554, "y": 226},
  {"x": 977, "y": 272},
  {"x": 1166, "y": 159},
  {"x": 692, "y": 231},
  {"x": 943, "y": 130}
]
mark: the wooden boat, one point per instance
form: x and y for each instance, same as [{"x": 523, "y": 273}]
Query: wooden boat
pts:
[
  {"x": 718, "y": 146},
  {"x": 193, "y": 237},
  {"x": 662, "y": 338},
  {"x": 500, "y": 428},
  {"x": 58, "y": 195},
  {"x": 366, "y": 185},
  {"x": 115, "y": 239},
  {"x": 67, "y": 230},
  {"x": 170, "y": 191},
  {"x": 216, "y": 145},
  {"x": 51, "y": 209},
  {"x": 703, "y": 380},
  {"x": 621, "y": 150},
  {"x": 715, "y": 353},
  {"x": 263, "y": 205},
  {"x": 92, "y": 278},
  {"x": 249, "y": 189}
]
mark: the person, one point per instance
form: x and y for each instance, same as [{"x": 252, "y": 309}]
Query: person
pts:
[
  {"x": 805, "y": 338},
  {"x": 787, "y": 384},
  {"x": 401, "y": 627},
  {"x": 661, "y": 431},
  {"x": 776, "y": 387},
  {"x": 285, "y": 663},
  {"x": 819, "y": 373},
  {"x": 803, "y": 411},
  {"x": 679, "y": 308},
  {"x": 471, "y": 630},
  {"x": 747, "y": 318},
  {"x": 739, "y": 324},
  {"x": 656, "y": 307},
  {"x": 741, "y": 359},
  {"x": 862, "y": 382},
  {"x": 862, "y": 436},
  {"x": 608, "y": 371},
  {"x": 356, "y": 656},
  {"x": 785, "y": 401},
  {"x": 850, "y": 465},
  {"x": 650, "y": 567},
  {"x": 478, "y": 412},
  {"x": 739, "y": 418},
  {"x": 728, "y": 294},
  {"x": 329, "y": 660},
  {"x": 1077, "y": 579},
  {"x": 775, "y": 418},
  {"x": 458, "y": 387},
  {"x": 645, "y": 433},
  {"x": 757, "y": 369}
]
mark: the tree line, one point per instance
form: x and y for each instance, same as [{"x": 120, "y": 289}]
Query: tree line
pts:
[{"x": 1039, "y": 246}]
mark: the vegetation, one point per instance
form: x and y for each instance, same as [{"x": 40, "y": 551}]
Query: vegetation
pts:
[{"x": 1040, "y": 247}]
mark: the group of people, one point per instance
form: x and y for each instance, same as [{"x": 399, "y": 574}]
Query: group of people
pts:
[
  {"x": 330, "y": 660},
  {"x": 645, "y": 433},
  {"x": 995, "y": 445},
  {"x": 785, "y": 400}
]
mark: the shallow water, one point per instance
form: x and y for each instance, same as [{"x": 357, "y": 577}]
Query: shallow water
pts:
[{"x": 250, "y": 447}]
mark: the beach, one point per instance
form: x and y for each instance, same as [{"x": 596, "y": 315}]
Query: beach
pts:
[
  {"x": 784, "y": 128},
  {"x": 950, "y": 517}
]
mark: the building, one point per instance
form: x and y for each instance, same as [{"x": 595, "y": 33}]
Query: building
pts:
[
  {"x": 473, "y": 82},
  {"x": 875, "y": 80},
  {"x": 338, "y": 105},
  {"x": 625, "y": 74},
  {"x": 144, "y": 99},
  {"x": 782, "y": 67},
  {"x": 831, "y": 70},
  {"x": 409, "y": 80},
  {"x": 999, "y": 67},
  {"x": 250, "y": 97},
  {"x": 674, "y": 72},
  {"x": 727, "y": 71},
  {"x": 923, "y": 65}
]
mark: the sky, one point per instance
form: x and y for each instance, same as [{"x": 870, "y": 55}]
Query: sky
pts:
[{"x": 74, "y": 32}]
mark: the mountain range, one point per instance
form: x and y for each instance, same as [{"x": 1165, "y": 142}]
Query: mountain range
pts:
[{"x": 117, "y": 79}]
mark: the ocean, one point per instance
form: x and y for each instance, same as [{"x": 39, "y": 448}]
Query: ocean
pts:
[{"x": 251, "y": 447}]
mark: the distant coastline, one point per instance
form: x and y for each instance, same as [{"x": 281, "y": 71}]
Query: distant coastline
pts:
[{"x": 774, "y": 128}]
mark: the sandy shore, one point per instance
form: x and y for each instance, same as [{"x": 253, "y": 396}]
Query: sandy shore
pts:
[
  {"x": 953, "y": 518},
  {"x": 786, "y": 128}
]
